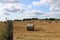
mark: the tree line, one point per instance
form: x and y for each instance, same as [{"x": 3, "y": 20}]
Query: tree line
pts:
[{"x": 46, "y": 19}]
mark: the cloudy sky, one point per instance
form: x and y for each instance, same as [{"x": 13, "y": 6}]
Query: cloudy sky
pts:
[{"x": 19, "y": 9}]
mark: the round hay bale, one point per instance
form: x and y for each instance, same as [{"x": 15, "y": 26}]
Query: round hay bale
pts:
[{"x": 30, "y": 27}]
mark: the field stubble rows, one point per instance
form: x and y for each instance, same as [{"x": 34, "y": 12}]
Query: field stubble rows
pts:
[{"x": 43, "y": 31}]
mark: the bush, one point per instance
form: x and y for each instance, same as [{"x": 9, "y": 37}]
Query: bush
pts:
[
  {"x": 51, "y": 19},
  {"x": 46, "y": 19}
]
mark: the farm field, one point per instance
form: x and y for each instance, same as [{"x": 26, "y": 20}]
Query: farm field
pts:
[{"x": 44, "y": 30}]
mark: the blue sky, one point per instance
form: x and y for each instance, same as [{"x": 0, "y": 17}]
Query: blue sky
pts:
[
  {"x": 19, "y": 9},
  {"x": 43, "y": 7}
]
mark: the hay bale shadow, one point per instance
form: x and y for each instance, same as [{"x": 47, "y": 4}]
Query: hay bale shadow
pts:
[
  {"x": 57, "y": 22},
  {"x": 39, "y": 29},
  {"x": 49, "y": 22}
]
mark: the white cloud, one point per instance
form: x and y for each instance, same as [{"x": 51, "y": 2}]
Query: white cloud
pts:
[
  {"x": 23, "y": 11},
  {"x": 41, "y": 14},
  {"x": 13, "y": 10},
  {"x": 36, "y": 3},
  {"x": 33, "y": 13},
  {"x": 54, "y": 4},
  {"x": 52, "y": 15},
  {"x": 7, "y": 9},
  {"x": 5, "y": 6},
  {"x": 9, "y": 1},
  {"x": 39, "y": 3},
  {"x": 29, "y": 6}
]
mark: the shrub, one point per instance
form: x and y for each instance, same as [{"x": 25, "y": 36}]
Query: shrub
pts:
[{"x": 51, "y": 19}]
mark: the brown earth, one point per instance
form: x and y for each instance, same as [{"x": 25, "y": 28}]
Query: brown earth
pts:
[{"x": 44, "y": 30}]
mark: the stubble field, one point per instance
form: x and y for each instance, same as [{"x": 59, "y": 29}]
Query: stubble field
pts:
[{"x": 44, "y": 30}]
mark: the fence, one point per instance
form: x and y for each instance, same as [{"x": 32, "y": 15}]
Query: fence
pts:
[{"x": 10, "y": 29}]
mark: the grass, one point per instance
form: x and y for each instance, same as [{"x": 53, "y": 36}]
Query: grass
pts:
[{"x": 3, "y": 31}]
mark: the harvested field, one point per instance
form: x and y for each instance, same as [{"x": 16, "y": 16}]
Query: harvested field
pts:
[{"x": 44, "y": 30}]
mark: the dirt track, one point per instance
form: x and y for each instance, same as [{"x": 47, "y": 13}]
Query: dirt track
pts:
[{"x": 44, "y": 30}]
